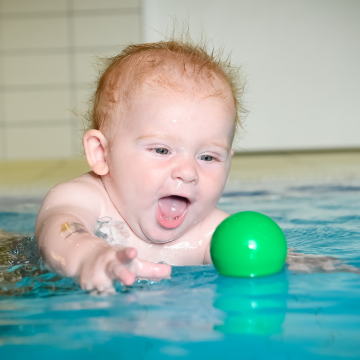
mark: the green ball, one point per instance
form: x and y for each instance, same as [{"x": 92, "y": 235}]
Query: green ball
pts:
[{"x": 248, "y": 244}]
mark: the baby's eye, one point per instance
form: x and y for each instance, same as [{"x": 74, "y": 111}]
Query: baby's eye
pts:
[
  {"x": 161, "y": 151},
  {"x": 206, "y": 158}
]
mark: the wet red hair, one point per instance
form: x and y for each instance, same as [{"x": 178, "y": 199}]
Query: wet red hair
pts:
[{"x": 126, "y": 73}]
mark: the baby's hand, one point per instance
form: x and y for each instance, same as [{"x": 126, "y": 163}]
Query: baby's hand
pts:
[{"x": 117, "y": 263}]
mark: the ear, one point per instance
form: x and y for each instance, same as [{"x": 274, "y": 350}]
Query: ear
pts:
[
  {"x": 232, "y": 152},
  {"x": 95, "y": 145}
]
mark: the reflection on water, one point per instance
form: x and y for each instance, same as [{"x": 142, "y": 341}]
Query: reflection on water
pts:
[
  {"x": 252, "y": 306},
  {"x": 197, "y": 313},
  {"x": 195, "y": 305}
]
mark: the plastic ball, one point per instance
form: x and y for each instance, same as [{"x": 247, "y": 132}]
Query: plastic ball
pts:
[{"x": 248, "y": 244}]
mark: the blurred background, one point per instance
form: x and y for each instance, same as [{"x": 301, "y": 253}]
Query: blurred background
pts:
[
  {"x": 47, "y": 49},
  {"x": 301, "y": 60}
]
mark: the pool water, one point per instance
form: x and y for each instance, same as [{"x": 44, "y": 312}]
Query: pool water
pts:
[{"x": 306, "y": 313}]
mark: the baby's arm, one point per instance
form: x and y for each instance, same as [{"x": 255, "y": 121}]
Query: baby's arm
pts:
[{"x": 64, "y": 231}]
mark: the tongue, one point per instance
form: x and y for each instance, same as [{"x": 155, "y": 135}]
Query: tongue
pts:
[{"x": 172, "y": 206}]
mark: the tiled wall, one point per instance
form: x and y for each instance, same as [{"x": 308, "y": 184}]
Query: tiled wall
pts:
[{"x": 47, "y": 49}]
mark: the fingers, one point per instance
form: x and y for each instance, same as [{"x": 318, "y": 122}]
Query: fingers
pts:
[
  {"x": 122, "y": 265},
  {"x": 129, "y": 267},
  {"x": 97, "y": 286},
  {"x": 150, "y": 270},
  {"x": 126, "y": 255},
  {"x": 108, "y": 291},
  {"x": 108, "y": 266},
  {"x": 119, "y": 271}
]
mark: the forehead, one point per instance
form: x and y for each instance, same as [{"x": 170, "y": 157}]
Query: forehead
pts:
[
  {"x": 190, "y": 114},
  {"x": 154, "y": 88}
]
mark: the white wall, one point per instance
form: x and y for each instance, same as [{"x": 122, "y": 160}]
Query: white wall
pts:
[
  {"x": 46, "y": 51},
  {"x": 302, "y": 58}
]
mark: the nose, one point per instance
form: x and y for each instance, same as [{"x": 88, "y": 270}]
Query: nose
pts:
[{"x": 185, "y": 169}]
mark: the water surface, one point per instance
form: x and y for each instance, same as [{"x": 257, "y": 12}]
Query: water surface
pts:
[{"x": 197, "y": 313}]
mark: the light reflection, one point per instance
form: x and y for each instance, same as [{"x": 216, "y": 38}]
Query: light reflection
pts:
[{"x": 252, "y": 306}]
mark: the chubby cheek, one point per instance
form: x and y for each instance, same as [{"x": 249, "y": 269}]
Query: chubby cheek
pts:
[
  {"x": 142, "y": 176},
  {"x": 211, "y": 184}
]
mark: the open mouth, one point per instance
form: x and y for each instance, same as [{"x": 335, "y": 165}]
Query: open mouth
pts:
[{"x": 171, "y": 211}]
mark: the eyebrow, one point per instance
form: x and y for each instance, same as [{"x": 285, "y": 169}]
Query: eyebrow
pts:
[
  {"x": 162, "y": 136},
  {"x": 220, "y": 145}
]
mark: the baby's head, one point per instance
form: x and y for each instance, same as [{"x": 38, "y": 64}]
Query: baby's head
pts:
[{"x": 163, "y": 121}]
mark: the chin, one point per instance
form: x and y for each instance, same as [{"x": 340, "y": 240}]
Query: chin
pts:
[{"x": 159, "y": 235}]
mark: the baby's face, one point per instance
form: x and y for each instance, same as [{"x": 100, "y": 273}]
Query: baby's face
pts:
[{"x": 169, "y": 160}]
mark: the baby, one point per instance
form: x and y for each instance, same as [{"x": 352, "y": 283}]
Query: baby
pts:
[{"x": 163, "y": 122}]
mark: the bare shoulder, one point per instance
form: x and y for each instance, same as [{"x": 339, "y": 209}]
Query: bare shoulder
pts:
[
  {"x": 215, "y": 218},
  {"x": 88, "y": 186},
  {"x": 83, "y": 195},
  {"x": 210, "y": 224}
]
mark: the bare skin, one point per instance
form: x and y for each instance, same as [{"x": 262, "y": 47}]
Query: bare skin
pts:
[{"x": 167, "y": 146}]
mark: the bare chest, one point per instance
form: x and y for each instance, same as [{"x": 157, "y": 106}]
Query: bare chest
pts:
[{"x": 189, "y": 250}]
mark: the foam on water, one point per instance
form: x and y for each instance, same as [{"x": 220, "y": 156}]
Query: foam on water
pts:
[{"x": 197, "y": 313}]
